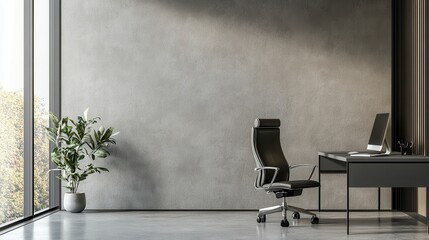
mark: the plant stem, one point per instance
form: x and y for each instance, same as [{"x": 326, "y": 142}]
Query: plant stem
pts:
[{"x": 77, "y": 185}]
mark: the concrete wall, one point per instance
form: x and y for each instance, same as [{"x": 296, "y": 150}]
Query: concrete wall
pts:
[{"x": 183, "y": 80}]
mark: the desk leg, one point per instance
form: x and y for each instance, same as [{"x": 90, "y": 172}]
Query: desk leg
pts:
[
  {"x": 379, "y": 205},
  {"x": 320, "y": 184},
  {"x": 348, "y": 206}
]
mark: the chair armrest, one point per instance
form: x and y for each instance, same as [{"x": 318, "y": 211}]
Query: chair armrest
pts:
[
  {"x": 260, "y": 172},
  {"x": 305, "y": 165}
]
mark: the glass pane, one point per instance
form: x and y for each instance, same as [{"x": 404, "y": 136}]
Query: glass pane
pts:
[
  {"x": 41, "y": 104},
  {"x": 11, "y": 110}
]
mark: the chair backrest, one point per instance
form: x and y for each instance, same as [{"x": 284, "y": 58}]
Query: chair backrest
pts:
[{"x": 267, "y": 149}]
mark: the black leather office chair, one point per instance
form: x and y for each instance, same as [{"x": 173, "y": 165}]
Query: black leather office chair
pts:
[{"x": 273, "y": 171}]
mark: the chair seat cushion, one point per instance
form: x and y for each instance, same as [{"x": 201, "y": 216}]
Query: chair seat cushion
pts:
[{"x": 295, "y": 184}]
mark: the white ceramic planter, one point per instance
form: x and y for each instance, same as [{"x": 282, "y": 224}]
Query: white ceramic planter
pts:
[{"x": 74, "y": 202}]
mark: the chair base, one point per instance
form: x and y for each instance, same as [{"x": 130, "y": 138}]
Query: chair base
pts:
[
  {"x": 280, "y": 208},
  {"x": 284, "y": 208}
]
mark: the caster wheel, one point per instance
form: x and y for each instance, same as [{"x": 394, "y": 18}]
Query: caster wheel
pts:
[
  {"x": 295, "y": 215},
  {"x": 284, "y": 223},
  {"x": 261, "y": 219},
  {"x": 314, "y": 220}
]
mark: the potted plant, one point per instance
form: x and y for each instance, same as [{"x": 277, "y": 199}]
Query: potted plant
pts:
[{"x": 74, "y": 141}]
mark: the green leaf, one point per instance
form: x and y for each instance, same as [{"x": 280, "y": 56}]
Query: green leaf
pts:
[
  {"x": 101, "y": 153},
  {"x": 97, "y": 138},
  {"x": 52, "y": 139},
  {"x": 91, "y": 142},
  {"x": 51, "y": 130},
  {"x": 73, "y": 122},
  {"x": 54, "y": 119},
  {"x": 107, "y": 134}
]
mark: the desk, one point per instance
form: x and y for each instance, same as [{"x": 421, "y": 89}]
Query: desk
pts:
[{"x": 385, "y": 171}]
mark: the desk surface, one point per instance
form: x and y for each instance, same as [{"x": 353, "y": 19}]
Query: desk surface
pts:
[{"x": 394, "y": 157}]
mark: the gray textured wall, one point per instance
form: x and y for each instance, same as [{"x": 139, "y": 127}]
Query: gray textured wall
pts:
[{"x": 183, "y": 80}]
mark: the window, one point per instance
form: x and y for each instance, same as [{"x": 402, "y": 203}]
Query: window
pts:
[
  {"x": 11, "y": 110},
  {"x": 41, "y": 104},
  {"x": 29, "y": 90}
]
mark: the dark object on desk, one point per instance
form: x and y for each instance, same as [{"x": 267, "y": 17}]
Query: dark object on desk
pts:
[
  {"x": 273, "y": 171},
  {"x": 406, "y": 149},
  {"x": 378, "y": 133},
  {"x": 377, "y": 139}
]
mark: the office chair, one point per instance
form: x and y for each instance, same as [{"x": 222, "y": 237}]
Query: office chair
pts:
[{"x": 273, "y": 171}]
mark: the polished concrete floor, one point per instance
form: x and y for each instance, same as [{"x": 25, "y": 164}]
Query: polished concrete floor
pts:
[{"x": 216, "y": 225}]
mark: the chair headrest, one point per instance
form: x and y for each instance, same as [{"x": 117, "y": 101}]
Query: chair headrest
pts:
[{"x": 267, "y": 123}]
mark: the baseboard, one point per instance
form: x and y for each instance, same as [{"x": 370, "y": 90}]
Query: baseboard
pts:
[
  {"x": 168, "y": 210},
  {"x": 352, "y": 210},
  {"x": 226, "y": 210}
]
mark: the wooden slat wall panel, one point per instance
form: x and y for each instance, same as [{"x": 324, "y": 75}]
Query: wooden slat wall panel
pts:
[{"x": 409, "y": 85}]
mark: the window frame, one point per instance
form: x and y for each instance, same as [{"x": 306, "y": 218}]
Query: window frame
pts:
[
  {"x": 54, "y": 106},
  {"x": 54, "y": 89}
]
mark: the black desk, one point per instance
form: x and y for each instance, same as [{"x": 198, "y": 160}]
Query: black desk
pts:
[{"x": 385, "y": 171}]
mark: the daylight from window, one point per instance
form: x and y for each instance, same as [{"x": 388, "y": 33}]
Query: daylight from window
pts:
[
  {"x": 12, "y": 108},
  {"x": 41, "y": 104}
]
